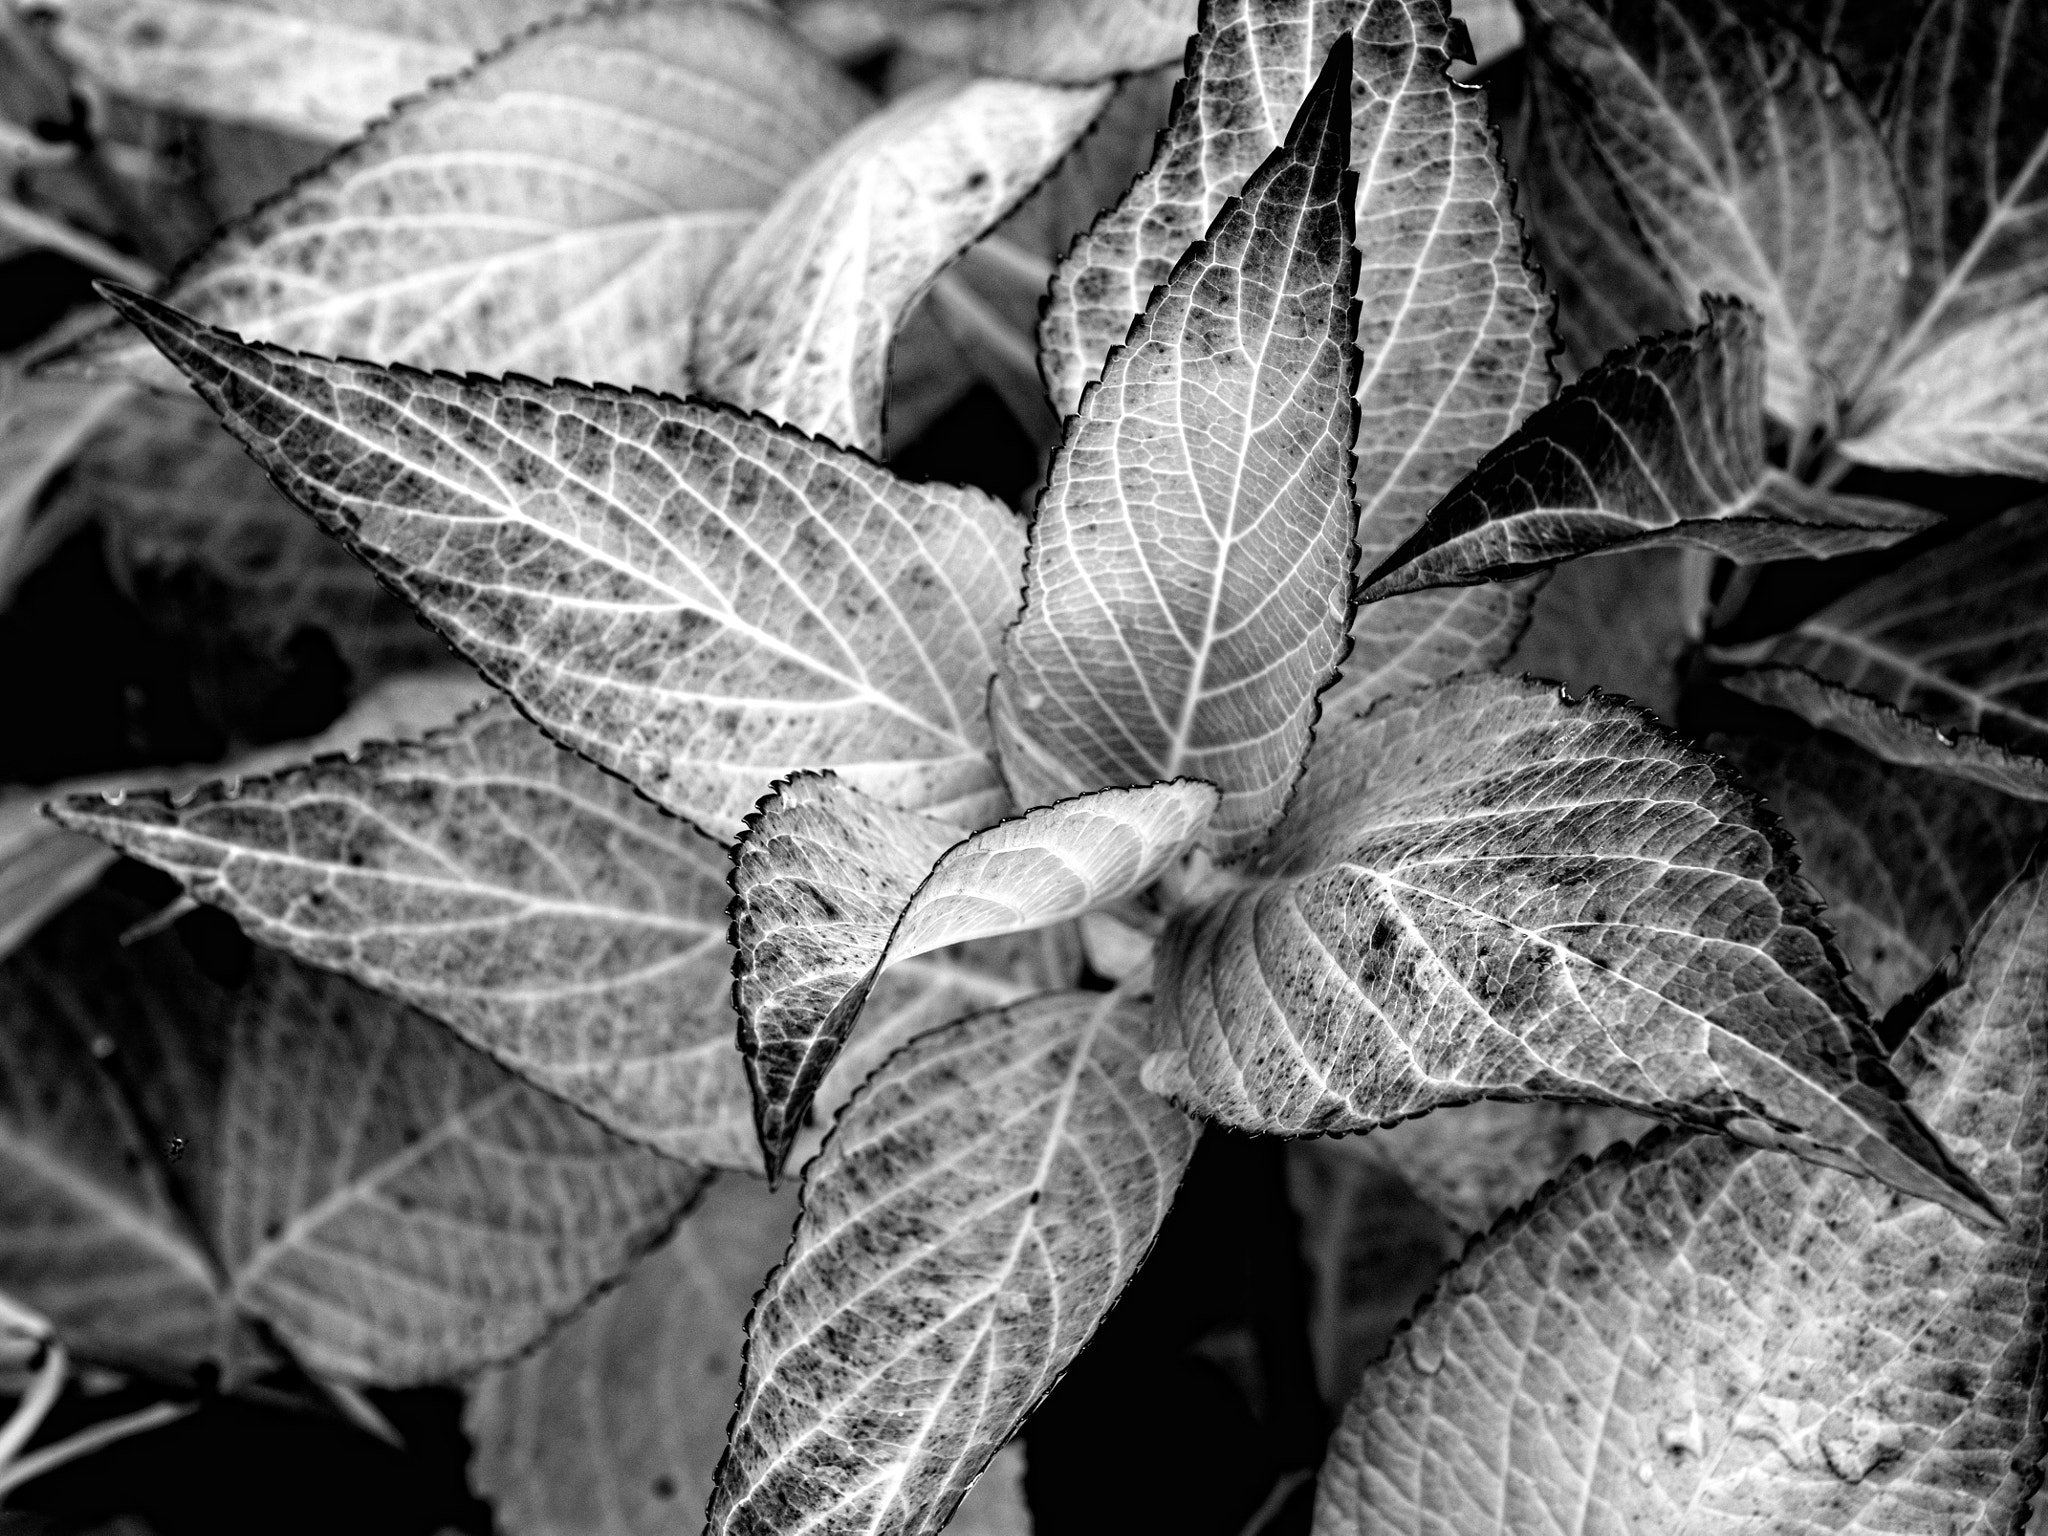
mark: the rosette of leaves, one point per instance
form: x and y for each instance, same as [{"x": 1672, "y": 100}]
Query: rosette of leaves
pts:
[{"x": 774, "y": 850}]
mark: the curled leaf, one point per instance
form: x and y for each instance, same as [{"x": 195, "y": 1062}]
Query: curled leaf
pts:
[
  {"x": 1661, "y": 444},
  {"x": 978, "y": 1208},
  {"x": 1484, "y": 891},
  {"x": 832, "y": 888},
  {"x": 696, "y": 599}
]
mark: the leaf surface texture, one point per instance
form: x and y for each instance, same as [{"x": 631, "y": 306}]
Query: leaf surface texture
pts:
[
  {"x": 1483, "y": 891},
  {"x": 979, "y": 1206},
  {"x": 698, "y": 600}
]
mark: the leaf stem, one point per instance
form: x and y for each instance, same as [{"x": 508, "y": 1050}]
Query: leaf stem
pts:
[
  {"x": 86, "y": 1441},
  {"x": 87, "y": 250},
  {"x": 34, "y": 1407}
]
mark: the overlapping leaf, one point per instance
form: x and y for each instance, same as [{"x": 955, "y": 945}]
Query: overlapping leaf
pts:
[
  {"x": 1056, "y": 40},
  {"x": 1485, "y": 891},
  {"x": 1891, "y": 733},
  {"x": 322, "y": 68},
  {"x": 1907, "y": 860},
  {"x": 399, "y": 1208},
  {"x": 553, "y": 917},
  {"x": 697, "y": 600},
  {"x": 832, "y": 888},
  {"x": 1452, "y": 327},
  {"x": 1661, "y": 444},
  {"x": 1957, "y": 637},
  {"x": 1748, "y": 169},
  {"x": 979, "y": 1206},
  {"x": 798, "y": 323},
  {"x": 559, "y": 210},
  {"x": 1698, "y": 1338},
  {"x": 1191, "y": 558}
]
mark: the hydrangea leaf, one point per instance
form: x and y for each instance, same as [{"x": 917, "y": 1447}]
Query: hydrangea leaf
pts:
[{"x": 1485, "y": 891}]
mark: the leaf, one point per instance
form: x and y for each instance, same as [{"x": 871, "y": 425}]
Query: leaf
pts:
[
  {"x": 978, "y": 1208},
  {"x": 93, "y": 1233},
  {"x": 1892, "y": 734},
  {"x": 615, "y": 1426},
  {"x": 831, "y": 888},
  {"x": 1746, "y": 1342},
  {"x": 1867, "y": 39},
  {"x": 1908, "y": 860},
  {"x": 1072, "y": 41},
  {"x": 1954, "y": 636},
  {"x": 1484, "y": 891},
  {"x": 1452, "y": 327},
  {"x": 399, "y": 1208},
  {"x": 532, "y": 901},
  {"x": 318, "y": 67},
  {"x": 1661, "y": 444},
  {"x": 1969, "y": 132},
  {"x": 797, "y": 325},
  {"x": 1970, "y": 404},
  {"x": 560, "y": 209},
  {"x": 696, "y": 600},
  {"x": 1627, "y": 623},
  {"x": 1187, "y": 596},
  {"x": 1748, "y": 170}
]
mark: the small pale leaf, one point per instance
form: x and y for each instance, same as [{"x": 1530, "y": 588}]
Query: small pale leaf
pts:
[
  {"x": 1975, "y": 403},
  {"x": 696, "y": 599},
  {"x": 1892, "y": 734},
  {"x": 978, "y": 1208},
  {"x": 397, "y": 1206},
  {"x": 560, "y": 210},
  {"x": 1699, "y": 1339},
  {"x": 1484, "y": 891},
  {"x": 798, "y": 324},
  {"x": 832, "y": 888},
  {"x": 1748, "y": 169},
  {"x": 1192, "y": 556},
  {"x": 1661, "y": 444},
  {"x": 532, "y": 901}
]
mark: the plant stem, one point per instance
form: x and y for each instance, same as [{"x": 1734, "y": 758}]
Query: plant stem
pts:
[
  {"x": 34, "y": 1406},
  {"x": 87, "y": 250},
  {"x": 88, "y": 1440}
]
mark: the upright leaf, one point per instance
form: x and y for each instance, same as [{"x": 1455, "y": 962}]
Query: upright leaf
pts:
[
  {"x": 798, "y": 323},
  {"x": 1969, "y": 130},
  {"x": 94, "y": 1233},
  {"x": 615, "y": 1426},
  {"x": 399, "y": 1208},
  {"x": 1908, "y": 861},
  {"x": 1661, "y": 444},
  {"x": 695, "y": 599},
  {"x": 1700, "y": 1339},
  {"x": 1452, "y": 327},
  {"x": 553, "y": 917},
  {"x": 831, "y": 888},
  {"x": 560, "y": 209},
  {"x": 1483, "y": 891},
  {"x": 1748, "y": 169},
  {"x": 322, "y": 68},
  {"x": 1957, "y": 637},
  {"x": 978, "y": 1208},
  {"x": 1188, "y": 591}
]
